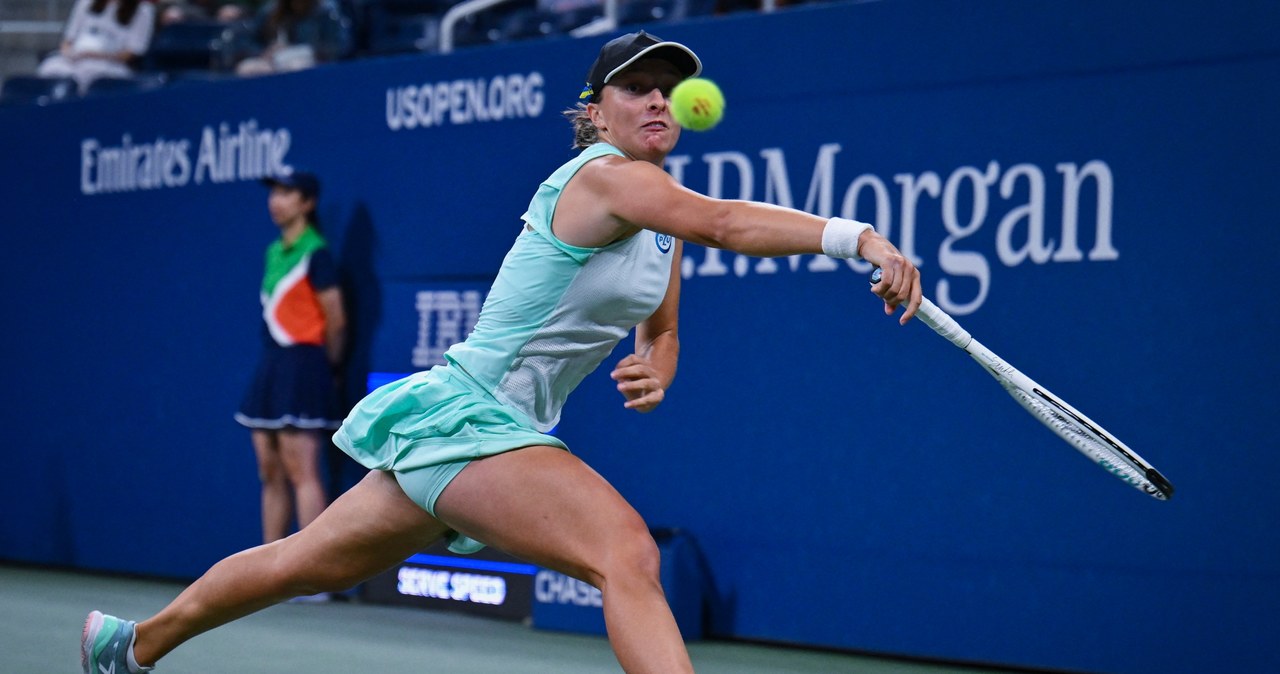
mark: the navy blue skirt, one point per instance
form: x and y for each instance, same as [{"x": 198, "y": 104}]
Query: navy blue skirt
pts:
[{"x": 293, "y": 387}]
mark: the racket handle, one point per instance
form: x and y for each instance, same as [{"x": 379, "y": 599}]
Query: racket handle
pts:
[
  {"x": 936, "y": 318},
  {"x": 943, "y": 324}
]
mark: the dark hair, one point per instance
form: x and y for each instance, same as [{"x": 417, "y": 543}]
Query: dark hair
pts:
[
  {"x": 585, "y": 133},
  {"x": 284, "y": 16},
  {"x": 124, "y": 11}
]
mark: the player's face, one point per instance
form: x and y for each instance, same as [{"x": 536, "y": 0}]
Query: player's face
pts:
[
  {"x": 633, "y": 113},
  {"x": 287, "y": 205}
]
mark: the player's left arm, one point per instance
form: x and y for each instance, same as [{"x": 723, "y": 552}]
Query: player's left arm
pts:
[{"x": 644, "y": 376}]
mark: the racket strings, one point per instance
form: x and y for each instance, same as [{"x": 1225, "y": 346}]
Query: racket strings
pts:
[{"x": 1084, "y": 440}]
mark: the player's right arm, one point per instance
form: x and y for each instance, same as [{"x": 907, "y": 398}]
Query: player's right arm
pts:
[{"x": 644, "y": 196}]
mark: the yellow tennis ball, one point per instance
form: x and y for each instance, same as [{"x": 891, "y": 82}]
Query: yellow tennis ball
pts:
[{"x": 697, "y": 104}]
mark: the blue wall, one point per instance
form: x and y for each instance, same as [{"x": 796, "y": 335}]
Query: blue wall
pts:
[{"x": 851, "y": 483}]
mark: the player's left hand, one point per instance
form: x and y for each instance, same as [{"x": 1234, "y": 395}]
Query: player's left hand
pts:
[{"x": 638, "y": 382}]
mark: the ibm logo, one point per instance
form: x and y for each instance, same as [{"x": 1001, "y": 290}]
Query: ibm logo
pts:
[{"x": 445, "y": 317}]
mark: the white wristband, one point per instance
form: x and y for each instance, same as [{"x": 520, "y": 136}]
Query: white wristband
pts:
[{"x": 840, "y": 237}]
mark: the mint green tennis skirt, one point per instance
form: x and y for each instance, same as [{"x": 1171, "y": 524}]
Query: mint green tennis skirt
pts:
[{"x": 427, "y": 427}]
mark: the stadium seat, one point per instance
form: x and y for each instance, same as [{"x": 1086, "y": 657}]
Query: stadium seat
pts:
[
  {"x": 197, "y": 45},
  {"x": 646, "y": 11},
  {"x": 402, "y": 34},
  {"x": 527, "y": 23},
  {"x": 576, "y": 18},
  {"x": 120, "y": 85},
  {"x": 19, "y": 89},
  {"x": 477, "y": 29},
  {"x": 186, "y": 78},
  {"x": 687, "y": 9},
  {"x": 395, "y": 26}
]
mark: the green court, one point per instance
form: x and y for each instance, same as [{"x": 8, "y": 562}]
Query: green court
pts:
[{"x": 44, "y": 612}]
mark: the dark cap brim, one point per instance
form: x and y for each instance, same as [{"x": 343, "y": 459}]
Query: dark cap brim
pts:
[{"x": 674, "y": 53}]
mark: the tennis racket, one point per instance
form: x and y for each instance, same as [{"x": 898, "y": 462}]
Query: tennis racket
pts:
[{"x": 1069, "y": 423}]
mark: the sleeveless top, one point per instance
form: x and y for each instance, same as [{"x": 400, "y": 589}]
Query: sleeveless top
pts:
[{"x": 555, "y": 311}]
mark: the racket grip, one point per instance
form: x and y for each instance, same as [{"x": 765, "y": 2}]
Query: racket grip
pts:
[
  {"x": 943, "y": 324},
  {"x": 936, "y": 318}
]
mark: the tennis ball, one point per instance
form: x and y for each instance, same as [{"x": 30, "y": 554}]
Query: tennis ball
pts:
[{"x": 697, "y": 104}]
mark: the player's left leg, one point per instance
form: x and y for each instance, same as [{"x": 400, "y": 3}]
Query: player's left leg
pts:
[{"x": 370, "y": 528}]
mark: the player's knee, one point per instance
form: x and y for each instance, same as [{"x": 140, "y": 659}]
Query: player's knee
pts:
[
  {"x": 634, "y": 556},
  {"x": 278, "y": 569},
  {"x": 341, "y": 578},
  {"x": 317, "y": 578},
  {"x": 294, "y": 575}
]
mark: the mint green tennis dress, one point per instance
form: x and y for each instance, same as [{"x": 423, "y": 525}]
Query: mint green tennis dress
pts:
[{"x": 555, "y": 311}]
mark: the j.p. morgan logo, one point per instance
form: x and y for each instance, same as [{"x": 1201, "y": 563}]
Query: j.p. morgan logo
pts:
[
  {"x": 664, "y": 242},
  {"x": 956, "y": 226}
]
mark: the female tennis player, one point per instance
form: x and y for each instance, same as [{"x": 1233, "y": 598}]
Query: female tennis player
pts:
[{"x": 460, "y": 451}]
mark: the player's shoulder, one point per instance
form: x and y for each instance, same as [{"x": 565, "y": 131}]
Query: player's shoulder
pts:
[
  {"x": 606, "y": 162},
  {"x": 614, "y": 170}
]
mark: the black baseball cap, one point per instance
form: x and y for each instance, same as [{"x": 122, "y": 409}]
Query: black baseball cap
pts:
[
  {"x": 306, "y": 183},
  {"x": 621, "y": 52}
]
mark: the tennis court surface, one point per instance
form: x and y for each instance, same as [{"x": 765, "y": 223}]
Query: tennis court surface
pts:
[{"x": 44, "y": 612}]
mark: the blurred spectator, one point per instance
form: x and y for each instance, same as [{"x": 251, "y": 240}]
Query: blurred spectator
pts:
[
  {"x": 103, "y": 38},
  {"x": 224, "y": 11},
  {"x": 297, "y": 34}
]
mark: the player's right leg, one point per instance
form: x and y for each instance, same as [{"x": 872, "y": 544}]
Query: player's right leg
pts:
[
  {"x": 367, "y": 530},
  {"x": 545, "y": 505}
]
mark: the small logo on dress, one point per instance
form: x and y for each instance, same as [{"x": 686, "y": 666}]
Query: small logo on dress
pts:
[{"x": 664, "y": 242}]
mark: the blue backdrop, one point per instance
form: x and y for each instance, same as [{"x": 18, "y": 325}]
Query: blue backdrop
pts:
[{"x": 1086, "y": 185}]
